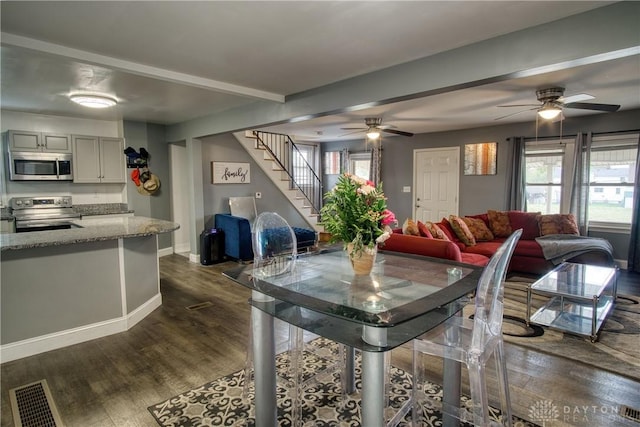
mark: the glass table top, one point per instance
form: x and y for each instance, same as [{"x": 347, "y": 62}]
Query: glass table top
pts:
[
  {"x": 400, "y": 287},
  {"x": 576, "y": 280}
]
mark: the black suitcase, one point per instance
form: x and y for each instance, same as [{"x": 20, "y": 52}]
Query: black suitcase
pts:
[{"x": 212, "y": 246}]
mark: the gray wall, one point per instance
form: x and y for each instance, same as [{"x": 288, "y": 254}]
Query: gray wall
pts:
[
  {"x": 158, "y": 205},
  {"x": 226, "y": 148}
]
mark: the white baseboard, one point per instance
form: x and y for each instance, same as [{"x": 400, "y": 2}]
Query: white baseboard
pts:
[
  {"x": 181, "y": 247},
  {"x": 44, "y": 343},
  {"x": 194, "y": 258},
  {"x": 165, "y": 251}
]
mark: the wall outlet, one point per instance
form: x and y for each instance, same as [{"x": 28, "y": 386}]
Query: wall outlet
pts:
[
  {"x": 258, "y": 195},
  {"x": 406, "y": 189}
]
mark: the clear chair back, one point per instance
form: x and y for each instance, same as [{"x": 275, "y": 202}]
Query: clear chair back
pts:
[
  {"x": 490, "y": 294},
  {"x": 274, "y": 245}
]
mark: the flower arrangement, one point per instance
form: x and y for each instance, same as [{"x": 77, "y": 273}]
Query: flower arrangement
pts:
[{"x": 355, "y": 211}]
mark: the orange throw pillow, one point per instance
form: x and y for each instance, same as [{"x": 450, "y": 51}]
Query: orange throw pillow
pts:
[
  {"x": 436, "y": 231},
  {"x": 410, "y": 227},
  {"x": 461, "y": 230},
  {"x": 479, "y": 229},
  {"x": 558, "y": 224},
  {"x": 499, "y": 223}
]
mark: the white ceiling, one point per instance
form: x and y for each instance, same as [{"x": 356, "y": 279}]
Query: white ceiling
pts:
[{"x": 168, "y": 62}]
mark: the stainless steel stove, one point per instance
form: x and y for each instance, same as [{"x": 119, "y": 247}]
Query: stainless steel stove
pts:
[{"x": 43, "y": 213}]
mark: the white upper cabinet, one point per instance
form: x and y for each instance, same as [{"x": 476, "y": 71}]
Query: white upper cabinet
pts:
[
  {"x": 37, "y": 141},
  {"x": 98, "y": 160}
]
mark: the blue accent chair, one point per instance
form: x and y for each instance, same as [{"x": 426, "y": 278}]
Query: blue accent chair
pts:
[{"x": 237, "y": 236}]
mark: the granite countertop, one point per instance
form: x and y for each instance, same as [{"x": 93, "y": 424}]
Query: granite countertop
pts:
[
  {"x": 92, "y": 230},
  {"x": 102, "y": 209}
]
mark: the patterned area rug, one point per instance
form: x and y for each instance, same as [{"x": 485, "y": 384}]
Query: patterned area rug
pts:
[
  {"x": 220, "y": 402},
  {"x": 615, "y": 351}
]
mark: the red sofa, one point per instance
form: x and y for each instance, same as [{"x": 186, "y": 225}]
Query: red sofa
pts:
[{"x": 527, "y": 257}]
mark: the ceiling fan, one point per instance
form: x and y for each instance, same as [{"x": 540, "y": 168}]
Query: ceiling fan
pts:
[
  {"x": 374, "y": 127},
  {"x": 553, "y": 101}
]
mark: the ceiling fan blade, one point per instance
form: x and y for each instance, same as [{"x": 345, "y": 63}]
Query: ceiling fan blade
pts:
[
  {"x": 578, "y": 97},
  {"x": 517, "y": 112},
  {"x": 588, "y": 106},
  {"x": 351, "y": 133},
  {"x": 519, "y": 105},
  {"x": 397, "y": 132},
  {"x": 354, "y": 128}
]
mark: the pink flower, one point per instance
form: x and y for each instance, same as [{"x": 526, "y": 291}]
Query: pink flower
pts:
[{"x": 388, "y": 217}]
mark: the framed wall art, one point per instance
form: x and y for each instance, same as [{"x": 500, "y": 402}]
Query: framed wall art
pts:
[
  {"x": 480, "y": 159},
  {"x": 230, "y": 173}
]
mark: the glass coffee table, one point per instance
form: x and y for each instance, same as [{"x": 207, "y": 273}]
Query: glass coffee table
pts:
[{"x": 577, "y": 303}]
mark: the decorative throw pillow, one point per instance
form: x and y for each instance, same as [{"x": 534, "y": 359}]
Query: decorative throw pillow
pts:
[
  {"x": 436, "y": 231},
  {"x": 558, "y": 224},
  {"x": 424, "y": 231},
  {"x": 448, "y": 230},
  {"x": 410, "y": 227},
  {"x": 499, "y": 223},
  {"x": 528, "y": 221},
  {"x": 479, "y": 229},
  {"x": 461, "y": 230}
]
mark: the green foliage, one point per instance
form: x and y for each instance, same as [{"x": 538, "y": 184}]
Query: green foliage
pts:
[{"x": 356, "y": 212}]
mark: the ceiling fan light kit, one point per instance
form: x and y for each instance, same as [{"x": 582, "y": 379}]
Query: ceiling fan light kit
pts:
[
  {"x": 93, "y": 101},
  {"x": 373, "y": 133},
  {"x": 549, "y": 111}
]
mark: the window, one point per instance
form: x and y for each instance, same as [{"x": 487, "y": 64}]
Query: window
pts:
[
  {"x": 360, "y": 164},
  {"x": 543, "y": 171},
  {"x": 303, "y": 158},
  {"x": 612, "y": 169},
  {"x": 612, "y": 166}
]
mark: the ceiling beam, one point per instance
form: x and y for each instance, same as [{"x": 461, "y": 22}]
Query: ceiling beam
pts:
[{"x": 138, "y": 69}]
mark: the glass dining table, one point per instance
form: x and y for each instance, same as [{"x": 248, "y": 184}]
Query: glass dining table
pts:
[{"x": 402, "y": 298}]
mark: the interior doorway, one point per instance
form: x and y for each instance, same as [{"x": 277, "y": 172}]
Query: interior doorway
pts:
[
  {"x": 436, "y": 183},
  {"x": 180, "y": 198}
]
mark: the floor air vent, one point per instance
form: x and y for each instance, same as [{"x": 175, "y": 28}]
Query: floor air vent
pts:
[
  {"x": 199, "y": 306},
  {"x": 630, "y": 413},
  {"x": 33, "y": 406}
]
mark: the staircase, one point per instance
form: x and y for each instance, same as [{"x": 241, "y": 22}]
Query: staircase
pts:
[{"x": 280, "y": 159}]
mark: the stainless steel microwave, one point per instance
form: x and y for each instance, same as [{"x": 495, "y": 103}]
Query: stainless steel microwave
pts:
[{"x": 31, "y": 166}]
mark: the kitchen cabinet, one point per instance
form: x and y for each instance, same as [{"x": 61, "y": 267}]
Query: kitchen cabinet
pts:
[
  {"x": 19, "y": 140},
  {"x": 98, "y": 159}
]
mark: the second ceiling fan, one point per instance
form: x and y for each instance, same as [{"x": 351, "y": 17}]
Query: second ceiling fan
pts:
[
  {"x": 374, "y": 127},
  {"x": 552, "y": 101}
]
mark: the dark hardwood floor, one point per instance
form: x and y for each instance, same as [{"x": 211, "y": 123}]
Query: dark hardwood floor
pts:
[{"x": 111, "y": 381}]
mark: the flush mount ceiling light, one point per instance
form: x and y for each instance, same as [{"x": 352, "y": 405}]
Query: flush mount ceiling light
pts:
[
  {"x": 93, "y": 101},
  {"x": 549, "y": 111}
]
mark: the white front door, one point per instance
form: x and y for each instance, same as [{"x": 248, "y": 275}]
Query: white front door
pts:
[{"x": 436, "y": 183}]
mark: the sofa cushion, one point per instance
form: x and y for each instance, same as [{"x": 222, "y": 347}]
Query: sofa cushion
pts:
[
  {"x": 529, "y": 248},
  {"x": 436, "y": 231},
  {"x": 499, "y": 223},
  {"x": 558, "y": 224},
  {"x": 424, "y": 230},
  {"x": 461, "y": 230},
  {"x": 478, "y": 228},
  {"x": 484, "y": 248},
  {"x": 410, "y": 227},
  {"x": 528, "y": 221},
  {"x": 475, "y": 259}
]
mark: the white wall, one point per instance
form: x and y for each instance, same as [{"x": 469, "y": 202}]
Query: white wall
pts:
[
  {"x": 81, "y": 193},
  {"x": 180, "y": 197}
]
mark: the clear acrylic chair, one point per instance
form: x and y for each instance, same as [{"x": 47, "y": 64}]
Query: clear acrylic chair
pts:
[
  {"x": 471, "y": 342},
  {"x": 275, "y": 253}
]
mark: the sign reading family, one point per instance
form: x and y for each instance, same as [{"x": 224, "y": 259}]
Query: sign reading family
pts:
[{"x": 230, "y": 173}]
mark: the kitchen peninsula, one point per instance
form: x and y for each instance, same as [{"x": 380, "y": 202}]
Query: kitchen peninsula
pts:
[{"x": 62, "y": 287}]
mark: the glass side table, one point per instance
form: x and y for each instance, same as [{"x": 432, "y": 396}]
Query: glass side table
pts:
[{"x": 577, "y": 301}]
